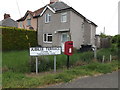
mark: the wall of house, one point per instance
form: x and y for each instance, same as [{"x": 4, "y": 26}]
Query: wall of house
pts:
[
  {"x": 76, "y": 29},
  {"x": 97, "y": 41},
  {"x": 93, "y": 32},
  {"x": 81, "y": 32},
  {"x": 87, "y": 33},
  {"x": 54, "y": 25},
  {"x": 33, "y": 23}
]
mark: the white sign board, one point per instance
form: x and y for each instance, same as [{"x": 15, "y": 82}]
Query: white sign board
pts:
[{"x": 38, "y": 51}]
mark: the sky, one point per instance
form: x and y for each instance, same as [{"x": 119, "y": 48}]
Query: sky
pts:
[{"x": 104, "y": 13}]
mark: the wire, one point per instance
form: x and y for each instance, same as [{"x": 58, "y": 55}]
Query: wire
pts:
[
  {"x": 23, "y": 25},
  {"x": 18, "y": 8}
]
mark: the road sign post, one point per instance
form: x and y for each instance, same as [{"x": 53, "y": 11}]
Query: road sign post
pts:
[
  {"x": 36, "y": 65},
  {"x": 54, "y": 63},
  {"x": 40, "y": 51},
  {"x": 68, "y": 61}
]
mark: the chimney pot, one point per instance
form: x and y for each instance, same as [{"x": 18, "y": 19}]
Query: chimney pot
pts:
[
  {"x": 6, "y": 16},
  {"x": 52, "y": 1}
]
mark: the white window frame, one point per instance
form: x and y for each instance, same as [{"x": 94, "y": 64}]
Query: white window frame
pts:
[
  {"x": 47, "y": 18},
  {"x": 62, "y": 37},
  {"x": 47, "y": 35},
  {"x": 62, "y": 16}
]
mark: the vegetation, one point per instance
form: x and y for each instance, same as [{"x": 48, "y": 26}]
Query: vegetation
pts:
[
  {"x": 20, "y": 61},
  {"x": 17, "y": 68},
  {"x": 16, "y": 61},
  {"x": 17, "y": 39},
  {"x": 20, "y": 80},
  {"x": 116, "y": 44},
  {"x": 18, "y": 65},
  {"x": 102, "y": 35}
]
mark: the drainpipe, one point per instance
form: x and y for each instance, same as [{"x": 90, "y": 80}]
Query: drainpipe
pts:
[{"x": 37, "y": 30}]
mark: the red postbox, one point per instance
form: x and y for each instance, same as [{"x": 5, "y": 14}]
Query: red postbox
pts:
[{"x": 68, "y": 48}]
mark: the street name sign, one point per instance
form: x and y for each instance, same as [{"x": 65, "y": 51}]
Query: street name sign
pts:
[{"x": 39, "y": 51}]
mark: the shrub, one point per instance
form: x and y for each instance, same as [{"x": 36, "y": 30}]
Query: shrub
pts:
[{"x": 17, "y": 39}]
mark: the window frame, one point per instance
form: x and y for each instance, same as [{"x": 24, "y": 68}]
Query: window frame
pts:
[
  {"x": 47, "y": 18},
  {"x": 21, "y": 24},
  {"x": 62, "y": 15},
  {"x": 68, "y": 37},
  {"x": 46, "y": 37},
  {"x": 29, "y": 23}
]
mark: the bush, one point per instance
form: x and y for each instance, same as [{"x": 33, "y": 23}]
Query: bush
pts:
[{"x": 17, "y": 39}]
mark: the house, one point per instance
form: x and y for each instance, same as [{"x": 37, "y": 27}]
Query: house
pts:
[
  {"x": 29, "y": 20},
  {"x": 8, "y": 22},
  {"x": 58, "y": 23}
]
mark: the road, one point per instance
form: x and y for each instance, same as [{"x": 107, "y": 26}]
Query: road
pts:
[{"x": 102, "y": 81}]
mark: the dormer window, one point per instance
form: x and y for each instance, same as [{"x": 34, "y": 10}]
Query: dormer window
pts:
[
  {"x": 64, "y": 17},
  {"x": 29, "y": 22},
  {"x": 47, "y": 18}
]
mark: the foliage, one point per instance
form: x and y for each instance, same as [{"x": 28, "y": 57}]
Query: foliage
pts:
[
  {"x": 116, "y": 45},
  {"x": 47, "y": 62},
  {"x": 102, "y": 35},
  {"x": 20, "y": 61},
  {"x": 17, "y": 39},
  {"x": 116, "y": 39},
  {"x": 20, "y": 80},
  {"x": 16, "y": 61}
]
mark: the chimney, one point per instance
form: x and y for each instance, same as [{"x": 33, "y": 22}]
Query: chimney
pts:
[
  {"x": 52, "y": 1},
  {"x": 6, "y": 16}
]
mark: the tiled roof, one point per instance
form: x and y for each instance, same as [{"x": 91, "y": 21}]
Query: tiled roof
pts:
[
  {"x": 35, "y": 13},
  {"x": 59, "y": 6},
  {"x": 8, "y": 22}
]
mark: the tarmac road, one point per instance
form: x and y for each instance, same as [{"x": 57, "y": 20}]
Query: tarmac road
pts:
[{"x": 102, "y": 81}]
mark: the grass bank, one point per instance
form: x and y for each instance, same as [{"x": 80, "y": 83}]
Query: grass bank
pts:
[
  {"x": 20, "y": 61},
  {"x": 20, "y": 80}
]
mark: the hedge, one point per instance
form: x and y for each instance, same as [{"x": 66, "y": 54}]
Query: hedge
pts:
[{"x": 17, "y": 39}]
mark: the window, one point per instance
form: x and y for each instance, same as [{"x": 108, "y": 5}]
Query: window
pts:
[
  {"x": 47, "y": 18},
  {"x": 28, "y": 22},
  {"x": 64, "y": 17},
  {"x": 21, "y": 25},
  {"x": 47, "y": 38},
  {"x": 65, "y": 37}
]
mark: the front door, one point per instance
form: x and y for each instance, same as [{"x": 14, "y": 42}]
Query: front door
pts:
[{"x": 64, "y": 38}]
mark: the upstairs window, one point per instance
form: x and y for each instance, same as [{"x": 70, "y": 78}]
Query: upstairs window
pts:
[
  {"x": 47, "y": 38},
  {"x": 29, "y": 22},
  {"x": 47, "y": 18},
  {"x": 64, "y": 17}
]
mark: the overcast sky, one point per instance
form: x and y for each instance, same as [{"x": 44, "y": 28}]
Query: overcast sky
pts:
[{"x": 102, "y": 12}]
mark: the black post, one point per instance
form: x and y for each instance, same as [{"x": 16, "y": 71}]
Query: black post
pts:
[{"x": 67, "y": 61}]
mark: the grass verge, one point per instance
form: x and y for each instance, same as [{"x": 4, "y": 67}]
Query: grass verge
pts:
[{"x": 19, "y": 80}]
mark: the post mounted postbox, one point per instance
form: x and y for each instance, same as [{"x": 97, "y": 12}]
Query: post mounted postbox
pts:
[{"x": 68, "y": 48}]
